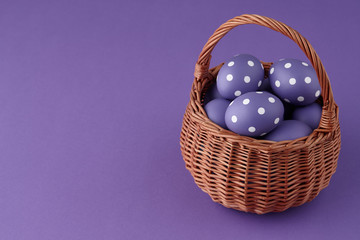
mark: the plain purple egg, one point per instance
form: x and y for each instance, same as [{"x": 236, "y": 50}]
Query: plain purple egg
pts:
[
  {"x": 215, "y": 110},
  {"x": 310, "y": 115},
  {"x": 211, "y": 93},
  {"x": 254, "y": 114},
  {"x": 241, "y": 74},
  {"x": 289, "y": 130},
  {"x": 294, "y": 81}
]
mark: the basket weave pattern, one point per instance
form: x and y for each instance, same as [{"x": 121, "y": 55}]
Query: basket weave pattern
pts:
[{"x": 253, "y": 175}]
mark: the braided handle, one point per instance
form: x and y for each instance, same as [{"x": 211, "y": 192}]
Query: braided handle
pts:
[{"x": 203, "y": 63}]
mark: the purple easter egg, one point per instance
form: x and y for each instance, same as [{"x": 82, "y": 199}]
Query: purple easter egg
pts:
[
  {"x": 289, "y": 130},
  {"x": 254, "y": 114},
  {"x": 211, "y": 93},
  {"x": 241, "y": 74},
  {"x": 310, "y": 114},
  {"x": 294, "y": 81},
  {"x": 215, "y": 110}
]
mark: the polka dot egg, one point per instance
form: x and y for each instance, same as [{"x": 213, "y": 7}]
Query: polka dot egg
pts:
[
  {"x": 241, "y": 74},
  {"x": 254, "y": 114},
  {"x": 294, "y": 81}
]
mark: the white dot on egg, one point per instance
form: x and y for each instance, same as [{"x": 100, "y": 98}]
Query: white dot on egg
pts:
[
  {"x": 250, "y": 63},
  {"x": 292, "y": 81},
  {"x": 261, "y": 110},
  {"x": 246, "y": 101},
  {"x": 237, "y": 93},
  {"x": 230, "y": 64},
  {"x": 276, "y": 121},
  {"x": 247, "y": 79},
  {"x": 271, "y": 99},
  {"x": 317, "y": 93},
  {"x": 259, "y": 83},
  {"x": 287, "y": 65},
  {"x": 300, "y": 98},
  {"x": 305, "y": 64},
  {"x": 252, "y": 129},
  {"x": 272, "y": 70},
  {"x": 308, "y": 80},
  {"x": 229, "y": 77},
  {"x": 277, "y": 83},
  {"x": 234, "y": 119}
]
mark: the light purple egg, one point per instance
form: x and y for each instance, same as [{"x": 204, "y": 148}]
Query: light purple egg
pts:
[
  {"x": 289, "y": 130},
  {"x": 211, "y": 93},
  {"x": 310, "y": 114},
  {"x": 215, "y": 110},
  {"x": 294, "y": 81},
  {"x": 254, "y": 114},
  {"x": 241, "y": 74}
]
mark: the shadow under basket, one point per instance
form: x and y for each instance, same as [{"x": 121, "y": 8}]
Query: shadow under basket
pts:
[{"x": 254, "y": 175}]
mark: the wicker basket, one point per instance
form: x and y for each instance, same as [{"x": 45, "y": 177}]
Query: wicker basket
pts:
[{"x": 253, "y": 175}]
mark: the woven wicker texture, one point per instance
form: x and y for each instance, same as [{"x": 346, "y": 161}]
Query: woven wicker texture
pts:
[{"x": 253, "y": 175}]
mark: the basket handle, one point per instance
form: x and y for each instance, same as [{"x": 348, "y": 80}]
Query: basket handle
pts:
[{"x": 203, "y": 62}]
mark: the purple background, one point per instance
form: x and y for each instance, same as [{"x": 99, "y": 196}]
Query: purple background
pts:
[{"x": 92, "y": 95}]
